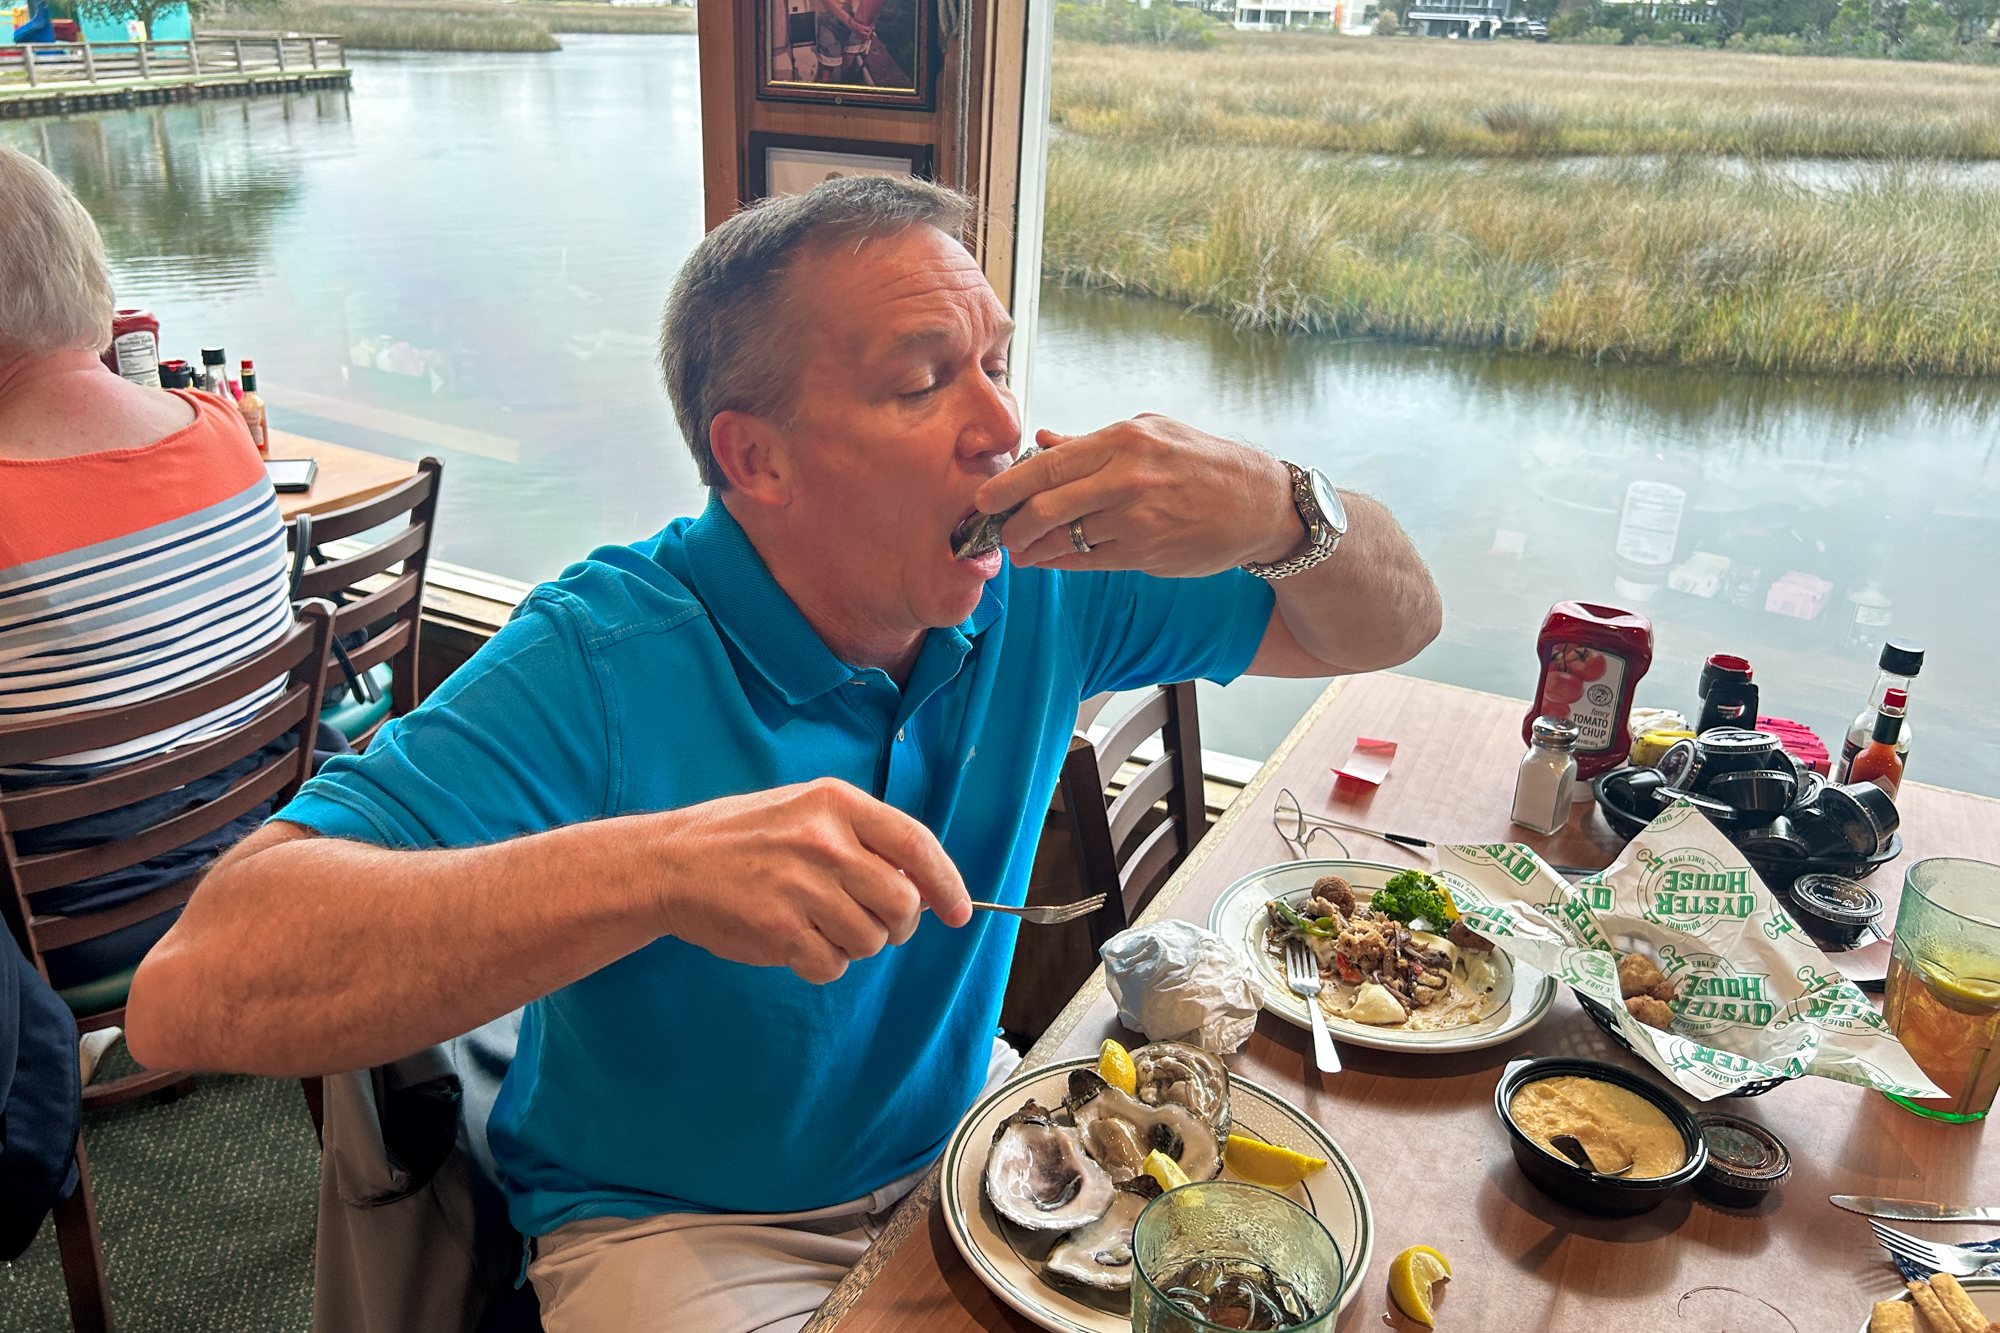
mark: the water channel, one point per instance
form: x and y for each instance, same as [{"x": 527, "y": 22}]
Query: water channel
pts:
[{"x": 466, "y": 256}]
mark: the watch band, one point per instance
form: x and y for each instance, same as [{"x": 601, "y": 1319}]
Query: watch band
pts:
[{"x": 1327, "y": 537}]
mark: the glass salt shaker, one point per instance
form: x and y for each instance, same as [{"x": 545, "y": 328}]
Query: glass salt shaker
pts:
[{"x": 1547, "y": 776}]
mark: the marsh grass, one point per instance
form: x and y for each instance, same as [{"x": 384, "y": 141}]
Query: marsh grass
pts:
[
  {"x": 1682, "y": 263},
  {"x": 1523, "y": 99},
  {"x": 462, "y": 25}
]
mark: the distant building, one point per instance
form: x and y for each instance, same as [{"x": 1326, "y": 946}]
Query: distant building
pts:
[
  {"x": 1477, "y": 19},
  {"x": 1349, "y": 16}
]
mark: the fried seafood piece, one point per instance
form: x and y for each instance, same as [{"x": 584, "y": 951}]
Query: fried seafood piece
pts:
[
  {"x": 1319, "y": 909},
  {"x": 1653, "y": 1013},
  {"x": 1465, "y": 937},
  {"x": 1640, "y": 975},
  {"x": 1893, "y": 1317},
  {"x": 1336, "y": 893}
]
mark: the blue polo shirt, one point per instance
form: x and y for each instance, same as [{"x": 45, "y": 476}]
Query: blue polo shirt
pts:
[{"x": 674, "y": 671}]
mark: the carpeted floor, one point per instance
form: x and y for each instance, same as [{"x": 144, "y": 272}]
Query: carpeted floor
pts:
[{"x": 207, "y": 1209}]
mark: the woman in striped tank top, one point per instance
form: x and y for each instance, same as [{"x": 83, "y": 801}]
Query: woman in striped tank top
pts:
[{"x": 140, "y": 548}]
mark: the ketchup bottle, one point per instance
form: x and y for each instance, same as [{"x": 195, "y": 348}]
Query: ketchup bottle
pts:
[{"x": 1592, "y": 658}]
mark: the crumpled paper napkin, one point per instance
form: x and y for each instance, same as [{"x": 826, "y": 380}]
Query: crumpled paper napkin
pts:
[{"x": 1175, "y": 981}]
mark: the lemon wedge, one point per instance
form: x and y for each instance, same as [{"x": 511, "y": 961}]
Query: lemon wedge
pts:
[
  {"x": 1411, "y": 1275},
  {"x": 1164, "y": 1169},
  {"x": 1114, "y": 1066},
  {"x": 1267, "y": 1164}
]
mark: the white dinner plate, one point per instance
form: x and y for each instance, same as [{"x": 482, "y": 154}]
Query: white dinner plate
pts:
[
  {"x": 1238, "y": 916},
  {"x": 1984, "y": 1291},
  {"x": 1007, "y": 1258}
]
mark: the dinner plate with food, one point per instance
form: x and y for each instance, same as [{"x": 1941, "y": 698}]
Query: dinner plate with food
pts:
[
  {"x": 1398, "y": 972},
  {"x": 1045, "y": 1178}
]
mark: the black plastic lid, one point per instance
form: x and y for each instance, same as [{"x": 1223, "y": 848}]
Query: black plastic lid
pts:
[
  {"x": 1745, "y": 1160},
  {"x": 1739, "y": 740},
  {"x": 211, "y": 356},
  {"x": 1904, "y": 657}
]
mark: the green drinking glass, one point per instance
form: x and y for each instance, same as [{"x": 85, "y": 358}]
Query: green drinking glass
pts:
[
  {"x": 1942, "y": 998},
  {"x": 1237, "y": 1252}
]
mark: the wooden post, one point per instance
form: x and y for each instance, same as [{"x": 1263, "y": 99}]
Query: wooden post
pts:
[
  {"x": 194, "y": 60},
  {"x": 145, "y": 68},
  {"x": 312, "y": 51},
  {"x": 280, "y": 44},
  {"x": 28, "y": 59},
  {"x": 238, "y": 43},
  {"x": 89, "y": 64}
]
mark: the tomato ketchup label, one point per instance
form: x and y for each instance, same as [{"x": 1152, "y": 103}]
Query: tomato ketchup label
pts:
[
  {"x": 1592, "y": 658},
  {"x": 1582, "y": 685}
]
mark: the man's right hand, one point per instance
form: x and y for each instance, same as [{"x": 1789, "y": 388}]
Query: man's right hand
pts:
[{"x": 809, "y": 877}]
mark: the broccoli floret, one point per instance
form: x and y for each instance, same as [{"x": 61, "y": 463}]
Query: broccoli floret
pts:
[{"x": 1414, "y": 896}]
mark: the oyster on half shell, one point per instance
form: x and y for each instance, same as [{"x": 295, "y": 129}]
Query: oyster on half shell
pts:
[
  {"x": 1174, "y": 1071},
  {"x": 1119, "y": 1130},
  {"x": 1099, "y": 1254},
  {"x": 1038, "y": 1175}
]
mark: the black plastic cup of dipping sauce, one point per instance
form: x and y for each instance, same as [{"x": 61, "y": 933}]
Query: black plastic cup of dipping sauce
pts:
[{"x": 1587, "y": 1191}]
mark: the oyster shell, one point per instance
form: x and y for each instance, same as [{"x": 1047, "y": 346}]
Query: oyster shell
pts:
[
  {"x": 1038, "y": 1175},
  {"x": 1119, "y": 1130},
  {"x": 979, "y": 534},
  {"x": 1099, "y": 1254},
  {"x": 1174, "y": 1071}
]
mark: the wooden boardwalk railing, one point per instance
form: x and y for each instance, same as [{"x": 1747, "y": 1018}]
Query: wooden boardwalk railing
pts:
[{"x": 205, "y": 55}]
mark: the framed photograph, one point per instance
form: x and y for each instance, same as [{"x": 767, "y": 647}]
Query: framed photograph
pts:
[
  {"x": 794, "y": 163},
  {"x": 846, "y": 52}
]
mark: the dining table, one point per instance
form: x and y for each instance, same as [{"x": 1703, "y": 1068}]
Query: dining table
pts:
[
  {"x": 346, "y": 476},
  {"x": 1422, "y": 1130}
]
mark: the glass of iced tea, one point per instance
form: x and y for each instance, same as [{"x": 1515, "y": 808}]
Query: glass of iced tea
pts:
[
  {"x": 1224, "y": 1255},
  {"x": 1942, "y": 997}
]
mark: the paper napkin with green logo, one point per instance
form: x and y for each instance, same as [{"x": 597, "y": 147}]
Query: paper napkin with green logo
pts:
[{"x": 1754, "y": 998}]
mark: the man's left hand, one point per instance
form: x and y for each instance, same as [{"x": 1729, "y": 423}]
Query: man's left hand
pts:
[{"x": 1153, "y": 495}]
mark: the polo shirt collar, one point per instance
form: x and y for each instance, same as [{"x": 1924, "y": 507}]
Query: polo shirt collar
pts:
[{"x": 747, "y": 604}]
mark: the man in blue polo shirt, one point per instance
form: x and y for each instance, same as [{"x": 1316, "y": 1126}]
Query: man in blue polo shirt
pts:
[{"x": 711, "y": 804}]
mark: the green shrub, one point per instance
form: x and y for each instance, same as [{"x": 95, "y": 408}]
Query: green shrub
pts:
[{"x": 1124, "y": 23}]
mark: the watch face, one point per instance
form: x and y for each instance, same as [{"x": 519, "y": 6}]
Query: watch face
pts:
[{"x": 1329, "y": 503}]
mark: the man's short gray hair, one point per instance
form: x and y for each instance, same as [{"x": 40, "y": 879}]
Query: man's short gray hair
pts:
[
  {"x": 55, "y": 292},
  {"x": 724, "y": 342}
]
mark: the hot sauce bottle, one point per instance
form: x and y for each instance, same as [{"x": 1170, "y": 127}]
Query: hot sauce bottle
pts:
[
  {"x": 1592, "y": 659},
  {"x": 1879, "y": 763}
]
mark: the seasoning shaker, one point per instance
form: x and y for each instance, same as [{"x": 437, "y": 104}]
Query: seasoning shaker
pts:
[{"x": 1547, "y": 776}]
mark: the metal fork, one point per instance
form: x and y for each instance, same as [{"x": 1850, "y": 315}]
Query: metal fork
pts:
[
  {"x": 1302, "y": 975},
  {"x": 1958, "y": 1260},
  {"x": 1046, "y": 916}
]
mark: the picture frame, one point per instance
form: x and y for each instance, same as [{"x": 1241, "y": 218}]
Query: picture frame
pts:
[
  {"x": 873, "y": 53},
  {"x": 794, "y": 163}
]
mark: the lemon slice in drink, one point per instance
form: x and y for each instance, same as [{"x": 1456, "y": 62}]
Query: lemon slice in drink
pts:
[
  {"x": 1267, "y": 1164},
  {"x": 1411, "y": 1276},
  {"x": 1164, "y": 1169},
  {"x": 1962, "y": 994},
  {"x": 1114, "y": 1066}
]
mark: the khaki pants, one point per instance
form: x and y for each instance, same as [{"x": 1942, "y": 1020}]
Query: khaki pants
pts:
[{"x": 711, "y": 1272}]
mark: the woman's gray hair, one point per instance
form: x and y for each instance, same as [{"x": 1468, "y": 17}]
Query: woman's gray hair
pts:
[
  {"x": 725, "y": 345},
  {"x": 55, "y": 291}
]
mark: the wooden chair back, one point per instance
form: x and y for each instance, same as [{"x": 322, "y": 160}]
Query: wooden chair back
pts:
[
  {"x": 1124, "y": 846},
  {"x": 392, "y": 610},
  {"x": 300, "y": 658}
]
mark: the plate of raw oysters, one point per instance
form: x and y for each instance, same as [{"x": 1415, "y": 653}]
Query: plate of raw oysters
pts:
[{"x": 1043, "y": 1183}]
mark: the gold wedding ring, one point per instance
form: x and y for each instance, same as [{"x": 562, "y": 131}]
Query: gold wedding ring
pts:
[{"x": 1076, "y": 537}]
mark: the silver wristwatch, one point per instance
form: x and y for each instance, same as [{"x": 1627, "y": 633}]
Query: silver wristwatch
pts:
[{"x": 1325, "y": 519}]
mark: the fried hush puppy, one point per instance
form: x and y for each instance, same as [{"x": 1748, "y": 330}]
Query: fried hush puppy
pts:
[
  {"x": 1653, "y": 1013},
  {"x": 1640, "y": 975}
]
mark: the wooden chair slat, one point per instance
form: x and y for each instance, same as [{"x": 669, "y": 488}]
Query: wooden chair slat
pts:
[
  {"x": 1147, "y": 717},
  {"x": 1088, "y": 710},
  {"x": 1130, "y": 806},
  {"x": 38, "y": 874},
  {"x": 374, "y": 512},
  {"x": 38, "y": 807},
  {"x": 377, "y": 606},
  {"x": 324, "y": 580},
  {"x": 1141, "y": 875},
  {"x": 29, "y": 742},
  {"x": 377, "y": 650},
  {"x": 54, "y": 932}
]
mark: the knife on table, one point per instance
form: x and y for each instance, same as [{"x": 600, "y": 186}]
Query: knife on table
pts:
[{"x": 1911, "y": 1210}]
